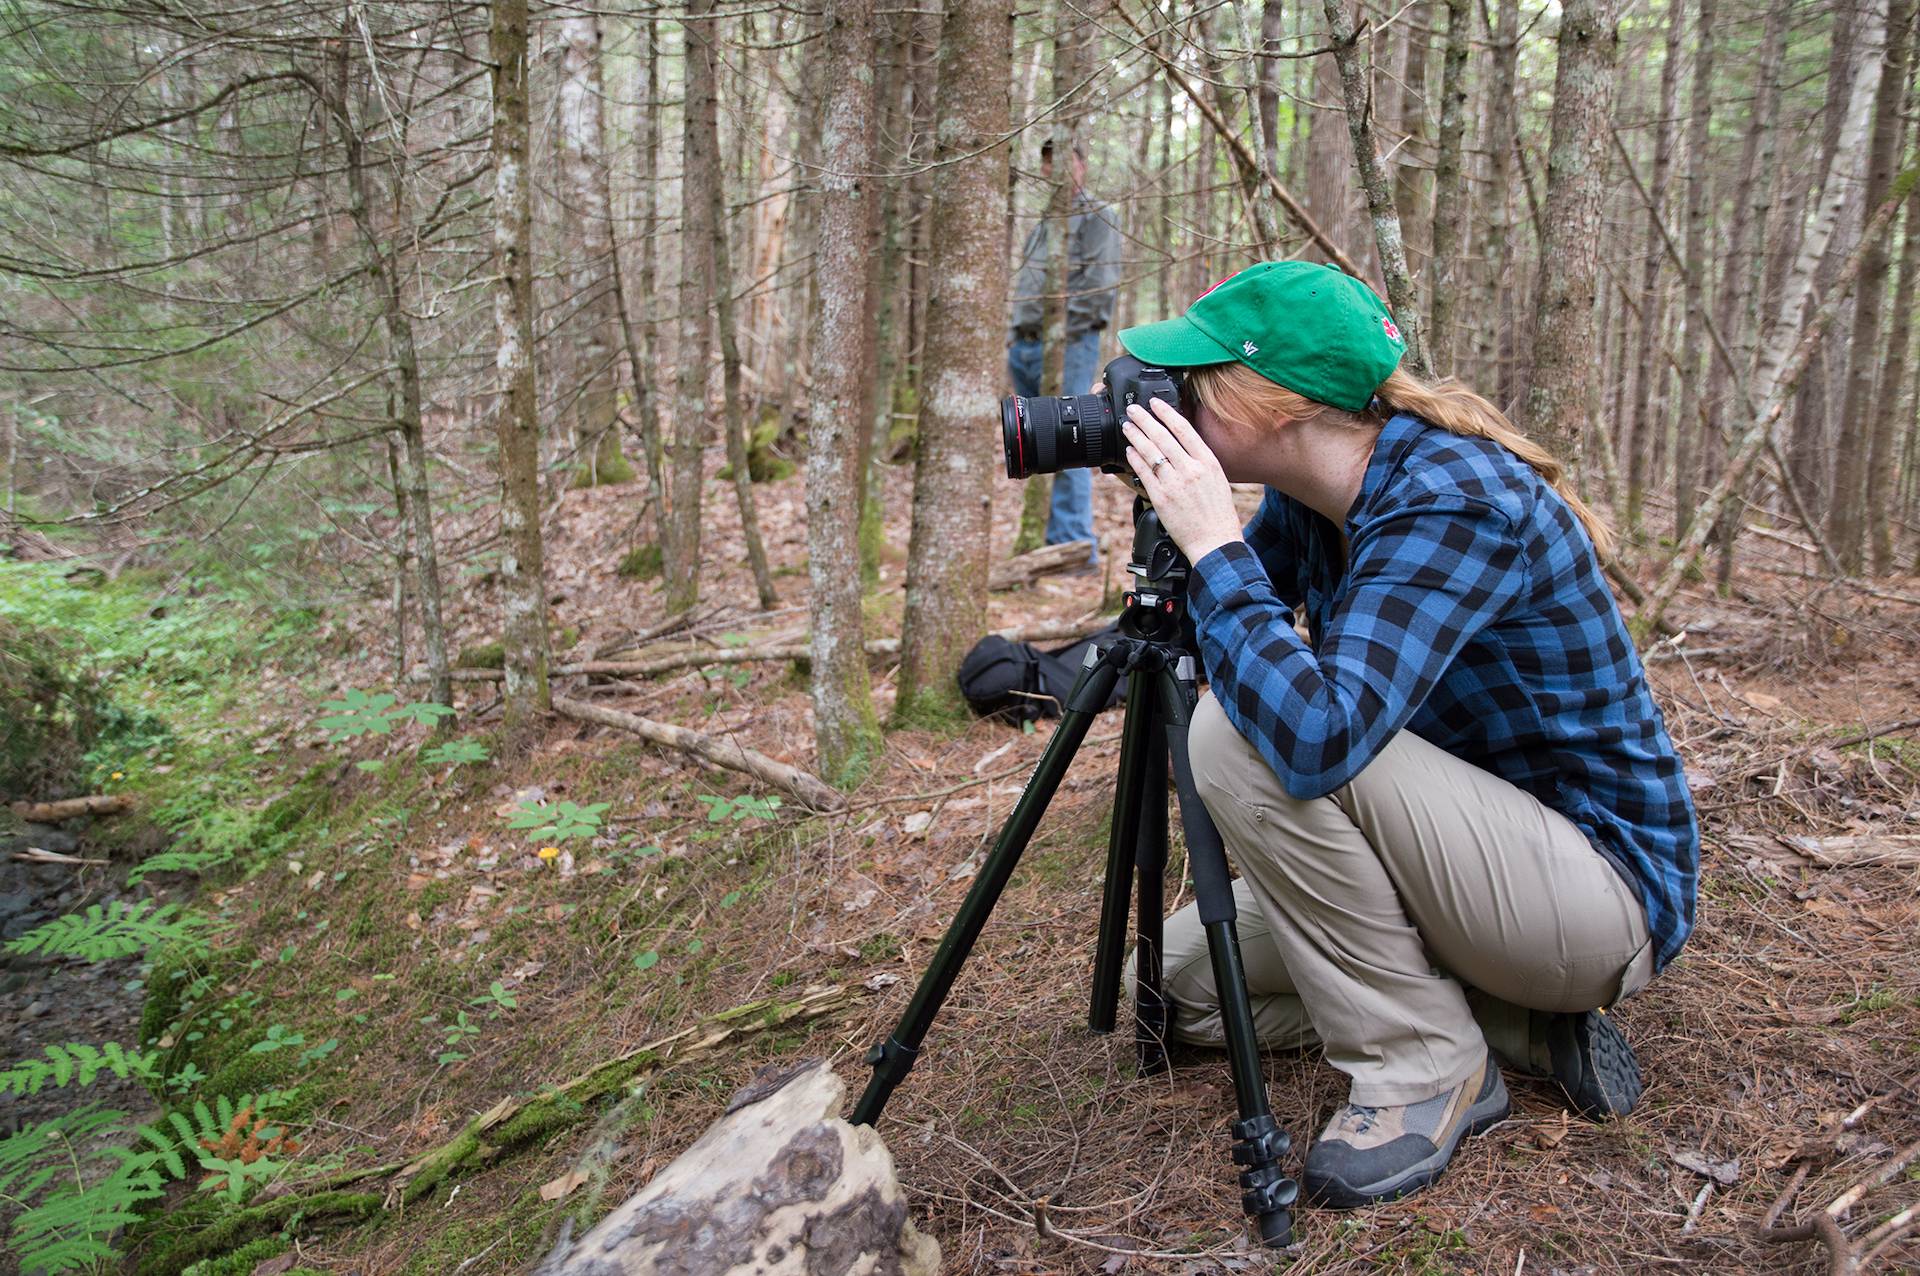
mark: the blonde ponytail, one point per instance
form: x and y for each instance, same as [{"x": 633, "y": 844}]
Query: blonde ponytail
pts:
[{"x": 1237, "y": 393}]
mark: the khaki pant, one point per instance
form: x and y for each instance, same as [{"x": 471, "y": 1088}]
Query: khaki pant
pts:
[{"x": 1406, "y": 921}]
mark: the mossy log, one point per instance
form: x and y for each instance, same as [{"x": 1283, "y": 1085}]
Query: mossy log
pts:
[{"x": 509, "y": 1124}]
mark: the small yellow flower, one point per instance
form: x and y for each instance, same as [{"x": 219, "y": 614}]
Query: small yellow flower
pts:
[
  {"x": 549, "y": 853},
  {"x": 119, "y": 775}
]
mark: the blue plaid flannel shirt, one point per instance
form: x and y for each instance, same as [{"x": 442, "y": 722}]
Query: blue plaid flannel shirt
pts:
[{"x": 1473, "y": 613}]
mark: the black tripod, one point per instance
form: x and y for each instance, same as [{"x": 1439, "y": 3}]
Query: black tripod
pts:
[{"x": 1156, "y": 652}]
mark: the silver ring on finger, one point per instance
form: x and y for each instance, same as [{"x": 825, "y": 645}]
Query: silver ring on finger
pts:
[{"x": 1158, "y": 461}]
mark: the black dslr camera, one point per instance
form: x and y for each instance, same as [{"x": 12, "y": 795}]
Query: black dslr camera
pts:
[{"x": 1044, "y": 436}]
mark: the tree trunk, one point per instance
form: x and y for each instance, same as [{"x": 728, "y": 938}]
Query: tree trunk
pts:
[
  {"x": 524, "y": 592},
  {"x": 719, "y": 269},
  {"x": 1560, "y": 383},
  {"x": 698, "y": 288},
  {"x": 402, "y": 560},
  {"x": 1846, "y": 527},
  {"x": 644, "y": 358},
  {"x": 1409, "y": 167},
  {"x": 583, "y": 164},
  {"x": 409, "y": 420},
  {"x": 954, "y": 463},
  {"x": 1641, "y": 426},
  {"x": 1373, "y": 179},
  {"x": 1692, "y": 443},
  {"x": 846, "y": 734},
  {"x": 1502, "y": 341},
  {"x": 1791, "y": 338},
  {"x": 1883, "y": 467},
  {"x": 1450, "y": 199}
]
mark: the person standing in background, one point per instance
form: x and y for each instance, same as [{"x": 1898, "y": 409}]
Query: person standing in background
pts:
[{"x": 1093, "y": 271}]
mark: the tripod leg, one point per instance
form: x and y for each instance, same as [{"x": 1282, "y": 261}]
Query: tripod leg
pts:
[
  {"x": 1258, "y": 1141},
  {"x": 1137, "y": 742},
  {"x": 1151, "y": 1012},
  {"x": 893, "y": 1058}
]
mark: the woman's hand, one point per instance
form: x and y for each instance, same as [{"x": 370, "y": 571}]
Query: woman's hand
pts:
[{"x": 1182, "y": 478}]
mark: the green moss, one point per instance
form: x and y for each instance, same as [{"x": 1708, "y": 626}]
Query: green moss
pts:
[
  {"x": 247, "y": 1073},
  {"x": 242, "y": 1261},
  {"x": 642, "y": 562},
  {"x": 938, "y": 708},
  {"x": 521, "y": 1225},
  {"x": 199, "y": 1228},
  {"x": 484, "y": 655},
  {"x": 611, "y": 467}
]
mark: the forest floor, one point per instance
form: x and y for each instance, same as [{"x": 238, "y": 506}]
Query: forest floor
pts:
[{"x": 409, "y": 924}]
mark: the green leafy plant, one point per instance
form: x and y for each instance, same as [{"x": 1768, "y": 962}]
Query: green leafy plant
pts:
[
  {"x": 562, "y": 822},
  {"x": 232, "y": 1142},
  {"x": 454, "y": 753},
  {"x": 179, "y": 860},
  {"x": 66, "y": 1224},
  {"x": 77, "y": 1062},
  {"x": 112, "y": 930},
  {"x": 745, "y": 807},
  {"x": 356, "y": 714},
  {"x": 458, "y": 1033},
  {"x": 279, "y": 1037},
  {"x": 496, "y": 999}
]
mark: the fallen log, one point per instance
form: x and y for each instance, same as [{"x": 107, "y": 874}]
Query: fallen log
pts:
[
  {"x": 779, "y": 1184},
  {"x": 1023, "y": 569},
  {"x": 810, "y": 790},
  {"x": 72, "y": 808}
]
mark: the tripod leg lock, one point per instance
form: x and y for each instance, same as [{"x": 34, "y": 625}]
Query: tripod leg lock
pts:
[
  {"x": 1259, "y": 1141},
  {"x": 1265, "y": 1190},
  {"x": 896, "y": 1058}
]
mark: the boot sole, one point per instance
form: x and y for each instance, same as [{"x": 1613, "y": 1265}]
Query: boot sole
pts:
[
  {"x": 1331, "y": 1193},
  {"x": 1594, "y": 1065}
]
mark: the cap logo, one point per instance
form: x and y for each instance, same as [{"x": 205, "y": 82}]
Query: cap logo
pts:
[
  {"x": 1250, "y": 349},
  {"x": 1386, "y": 326}
]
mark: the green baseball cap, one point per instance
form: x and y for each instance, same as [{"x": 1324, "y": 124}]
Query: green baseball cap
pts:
[{"x": 1311, "y": 328}]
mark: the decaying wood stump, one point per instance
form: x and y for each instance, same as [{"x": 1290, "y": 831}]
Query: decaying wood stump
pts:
[{"x": 780, "y": 1184}]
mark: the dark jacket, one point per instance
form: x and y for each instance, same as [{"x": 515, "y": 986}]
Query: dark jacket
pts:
[{"x": 1093, "y": 271}]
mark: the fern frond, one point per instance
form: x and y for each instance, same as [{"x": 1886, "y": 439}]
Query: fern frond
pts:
[
  {"x": 69, "y": 1229},
  {"x": 117, "y": 929},
  {"x": 77, "y": 1061},
  {"x": 178, "y": 861}
]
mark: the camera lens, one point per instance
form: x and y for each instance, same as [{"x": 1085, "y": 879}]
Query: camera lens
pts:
[{"x": 1046, "y": 435}]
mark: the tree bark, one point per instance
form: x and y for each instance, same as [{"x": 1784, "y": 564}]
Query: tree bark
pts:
[
  {"x": 724, "y": 753},
  {"x": 524, "y": 695},
  {"x": 954, "y": 462},
  {"x": 1502, "y": 341},
  {"x": 1846, "y": 523},
  {"x": 1883, "y": 467},
  {"x": 1641, "y": 426},
  {"x": 698, "y": 288},
  {"x": 1387, "y": 236},
  {"x": 846, "y": 733},
  {"x": 1560, "y": 383},
  {"x": 1450, "y": 199},
  {"x": 1691, "y": 441},
  {"x": 581, "y": 95},
  {"x": 719, "y": 267}
]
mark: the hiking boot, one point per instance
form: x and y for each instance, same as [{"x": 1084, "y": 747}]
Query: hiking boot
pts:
[
  {"x": 1592, "y": 1062},
  {"x": 1380, "y": 1154}
]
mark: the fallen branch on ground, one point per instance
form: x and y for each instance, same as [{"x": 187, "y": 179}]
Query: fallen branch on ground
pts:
[
  {"x": 1040, "y": 631},
  {"x": 1024, "y": 569},
  {"x": 809, "y": 789},
  {"x": 72, "y": 808}
]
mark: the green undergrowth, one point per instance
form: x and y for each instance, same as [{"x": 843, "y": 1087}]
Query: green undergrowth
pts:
[{"x": 372, "y": 929}]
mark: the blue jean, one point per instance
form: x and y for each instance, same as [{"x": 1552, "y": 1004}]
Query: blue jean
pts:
[{"x": 1071, "y": 518}]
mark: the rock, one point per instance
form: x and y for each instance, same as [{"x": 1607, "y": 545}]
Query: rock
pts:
[
  {"x": 49, "y": 838},
  {"x": 779, "y": 1186},
  {"x": 36, "y": 1008}
]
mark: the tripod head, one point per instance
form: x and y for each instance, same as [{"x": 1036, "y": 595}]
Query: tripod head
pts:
[{"x": 1155, "y": 608}]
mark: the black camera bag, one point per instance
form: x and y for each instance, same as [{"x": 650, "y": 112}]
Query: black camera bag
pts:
[{"x": 1017, "y": 682}]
